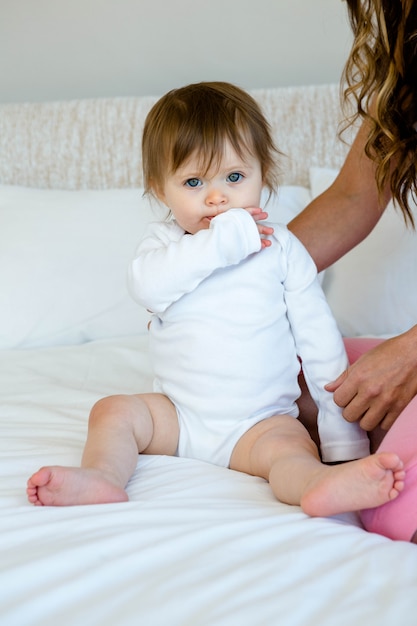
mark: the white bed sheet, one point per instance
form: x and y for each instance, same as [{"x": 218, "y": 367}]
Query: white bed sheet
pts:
[{"x": 196, "y": 544}]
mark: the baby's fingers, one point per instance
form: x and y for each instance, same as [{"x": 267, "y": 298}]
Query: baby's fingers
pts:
[
  {"x": 265, "y": 230},
  {"x": 257, "y": 213}
]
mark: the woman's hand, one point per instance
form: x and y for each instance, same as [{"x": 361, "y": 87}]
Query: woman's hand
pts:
[
  {"x": 379, "y": 385},
  {"x": 259, "y": 215}
]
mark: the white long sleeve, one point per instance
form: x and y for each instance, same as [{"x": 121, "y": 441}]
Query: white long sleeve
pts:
[
  {"x": 170, "y": 263},
  {"x": 322, "y": 352}
]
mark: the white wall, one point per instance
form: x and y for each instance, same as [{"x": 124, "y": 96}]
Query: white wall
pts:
[{"x": 59, "y": 49}]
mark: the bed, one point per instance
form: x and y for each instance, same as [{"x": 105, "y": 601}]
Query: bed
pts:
[{"x": 196, "y": 544}]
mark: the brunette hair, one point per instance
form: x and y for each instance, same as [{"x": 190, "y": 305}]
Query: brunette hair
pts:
[
  {"x": 200, "y": 118},
  {"x": 381, "y": 75}
]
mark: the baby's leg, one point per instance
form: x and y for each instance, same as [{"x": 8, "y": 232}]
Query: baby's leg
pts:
[
  {"x": 281, "y": 451},
  {"x": 119, "y": 428}
]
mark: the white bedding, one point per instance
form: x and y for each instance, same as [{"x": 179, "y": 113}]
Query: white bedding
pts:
[{"x": 196, "y": 544}]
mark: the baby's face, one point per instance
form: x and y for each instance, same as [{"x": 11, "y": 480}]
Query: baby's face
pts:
[{"x": 194, "y": 197}]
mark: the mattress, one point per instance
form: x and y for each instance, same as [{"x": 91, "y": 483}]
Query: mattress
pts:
[{"x": 195, "y": 545}]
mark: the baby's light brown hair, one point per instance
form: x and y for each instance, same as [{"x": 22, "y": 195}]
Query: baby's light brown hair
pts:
[{"x": 198, "y": 120}]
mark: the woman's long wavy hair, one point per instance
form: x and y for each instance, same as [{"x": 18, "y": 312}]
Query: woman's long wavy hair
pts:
[{"x": 381, "y": 76}]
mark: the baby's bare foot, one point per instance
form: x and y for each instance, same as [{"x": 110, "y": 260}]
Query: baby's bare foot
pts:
[
  {"x": 365, "y": 483},
  {"x": 63, "y": 486}
]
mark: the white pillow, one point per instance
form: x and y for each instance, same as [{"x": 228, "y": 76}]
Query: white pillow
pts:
[
  {"x": 283, "y": 206},
  {"x": 63, "y": 262},
  {"x": 372, "y": 290}
]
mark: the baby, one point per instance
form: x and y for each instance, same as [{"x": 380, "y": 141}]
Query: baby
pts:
[{"x": 235, "y": 306}]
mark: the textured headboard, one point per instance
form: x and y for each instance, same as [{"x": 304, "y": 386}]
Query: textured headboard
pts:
[{"x": 96, "y": 143}]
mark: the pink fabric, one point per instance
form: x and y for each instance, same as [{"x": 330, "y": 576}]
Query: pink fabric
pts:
[{"x": 396, "y": 519}]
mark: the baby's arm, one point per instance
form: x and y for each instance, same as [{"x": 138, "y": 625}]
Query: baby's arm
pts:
[
  {"x": 321, "y": 349},
  {"x": 170, "y": 263}
]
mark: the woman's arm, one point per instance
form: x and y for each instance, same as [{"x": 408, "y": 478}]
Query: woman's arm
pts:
[
  {"x": 378, "y": 386},
  {"x": 343, "y": 215}
]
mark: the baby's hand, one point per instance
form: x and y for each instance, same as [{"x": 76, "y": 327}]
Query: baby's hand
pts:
[{"x": 259, "y": 215}]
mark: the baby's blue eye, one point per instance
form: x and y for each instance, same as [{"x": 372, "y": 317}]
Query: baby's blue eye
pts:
[
  {"x": 235, "y": 177},
  {"x": 193, "y": 182}
]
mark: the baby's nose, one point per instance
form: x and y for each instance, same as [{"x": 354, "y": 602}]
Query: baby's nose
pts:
[{"x": 216, "y": 198}]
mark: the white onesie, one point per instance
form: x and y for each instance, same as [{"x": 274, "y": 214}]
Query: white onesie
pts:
[{"x": 229, "y": 322}]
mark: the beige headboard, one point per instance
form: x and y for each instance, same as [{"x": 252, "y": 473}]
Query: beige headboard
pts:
[{"x": 96, "y": 143}]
